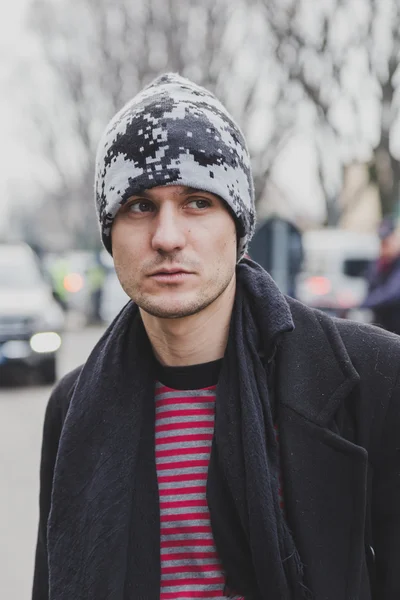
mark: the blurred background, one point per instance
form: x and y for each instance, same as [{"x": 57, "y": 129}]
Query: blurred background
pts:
[{"x": 315, "y": 87}]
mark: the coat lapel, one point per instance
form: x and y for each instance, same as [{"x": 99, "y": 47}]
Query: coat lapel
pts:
[{"x": 324, "y": 475}]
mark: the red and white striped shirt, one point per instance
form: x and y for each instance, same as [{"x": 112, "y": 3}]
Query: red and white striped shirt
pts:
[{"x": 190, "y": 567}]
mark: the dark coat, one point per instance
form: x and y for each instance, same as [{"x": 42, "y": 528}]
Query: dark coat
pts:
[{"x": 336, "y": 384}]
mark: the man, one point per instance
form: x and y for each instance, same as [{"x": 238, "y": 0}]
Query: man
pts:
[
  {"x": 221, "y": 441},
  {"x": 384, "y": 279}
]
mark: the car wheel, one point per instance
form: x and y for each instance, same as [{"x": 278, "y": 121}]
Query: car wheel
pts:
[{"x": 48, "y": 370}]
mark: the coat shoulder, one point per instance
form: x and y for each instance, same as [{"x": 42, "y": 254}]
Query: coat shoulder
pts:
[
  {"x": 367, "y": 346},
  {"x": 369, "y": 337},
  {"x": 371, "y": 349}
]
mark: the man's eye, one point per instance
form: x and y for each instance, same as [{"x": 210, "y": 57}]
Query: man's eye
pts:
[
  {"x": 199, "y": 203},
  {"x": 140, "y": 206}
]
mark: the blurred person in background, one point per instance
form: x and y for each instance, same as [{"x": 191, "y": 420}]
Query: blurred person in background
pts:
[
  {"x": 219, "y": 440},
  {"x": 58, "y": 270},
  {"x": 96, "y": 274},
  {"x": 383, "y": 296}
]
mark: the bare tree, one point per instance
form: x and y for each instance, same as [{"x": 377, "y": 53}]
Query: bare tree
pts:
[
  {"x": 322, "y": 63},
  {"x": 280, "y": 66},
  {"x": 98, "y": 53},
  {"x": 384, "y": 61},
  {"x": 313, "y": 58}
]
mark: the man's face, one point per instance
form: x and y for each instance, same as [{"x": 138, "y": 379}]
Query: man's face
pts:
[{"x": 174, "y": 249}]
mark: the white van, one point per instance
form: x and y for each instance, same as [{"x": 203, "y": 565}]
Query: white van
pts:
[{"x": 334, "y": 269}]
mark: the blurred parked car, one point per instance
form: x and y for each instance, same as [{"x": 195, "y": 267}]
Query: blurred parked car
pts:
[
  {"x": 31, "y": 321},
  {"x": 333, "y": 276}
]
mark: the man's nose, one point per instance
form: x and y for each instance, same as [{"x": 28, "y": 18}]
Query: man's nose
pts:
[{"x": 169, "y": 234}]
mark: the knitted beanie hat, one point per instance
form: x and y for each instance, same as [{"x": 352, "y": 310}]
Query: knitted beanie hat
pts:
[{"x": 174, "y": 133}]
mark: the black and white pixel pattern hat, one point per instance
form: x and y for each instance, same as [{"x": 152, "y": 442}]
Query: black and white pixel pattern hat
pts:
[{"x": 174, "y": 133}]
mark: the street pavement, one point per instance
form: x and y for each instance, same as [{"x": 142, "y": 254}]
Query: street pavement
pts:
[{"x": 21, "y": 420}]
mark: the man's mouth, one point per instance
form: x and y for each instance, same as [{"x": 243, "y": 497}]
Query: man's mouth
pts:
[{"x": 171, "y": 275}]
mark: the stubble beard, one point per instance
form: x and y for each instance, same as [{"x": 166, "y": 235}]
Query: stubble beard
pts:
[{"x": 202, "y": 301}]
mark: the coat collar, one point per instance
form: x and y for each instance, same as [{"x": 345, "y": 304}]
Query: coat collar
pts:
[
  {"x": 324, "y": 474},
  {"x": 317, "y": 371}
]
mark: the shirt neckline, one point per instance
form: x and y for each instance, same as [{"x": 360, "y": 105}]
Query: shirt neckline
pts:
[{"x": 189, "y": 377}]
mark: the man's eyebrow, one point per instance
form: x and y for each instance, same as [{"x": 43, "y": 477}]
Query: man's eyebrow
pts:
[
  {"x": 182, "y": 192},
  {"x": 187, "y": 190}
]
